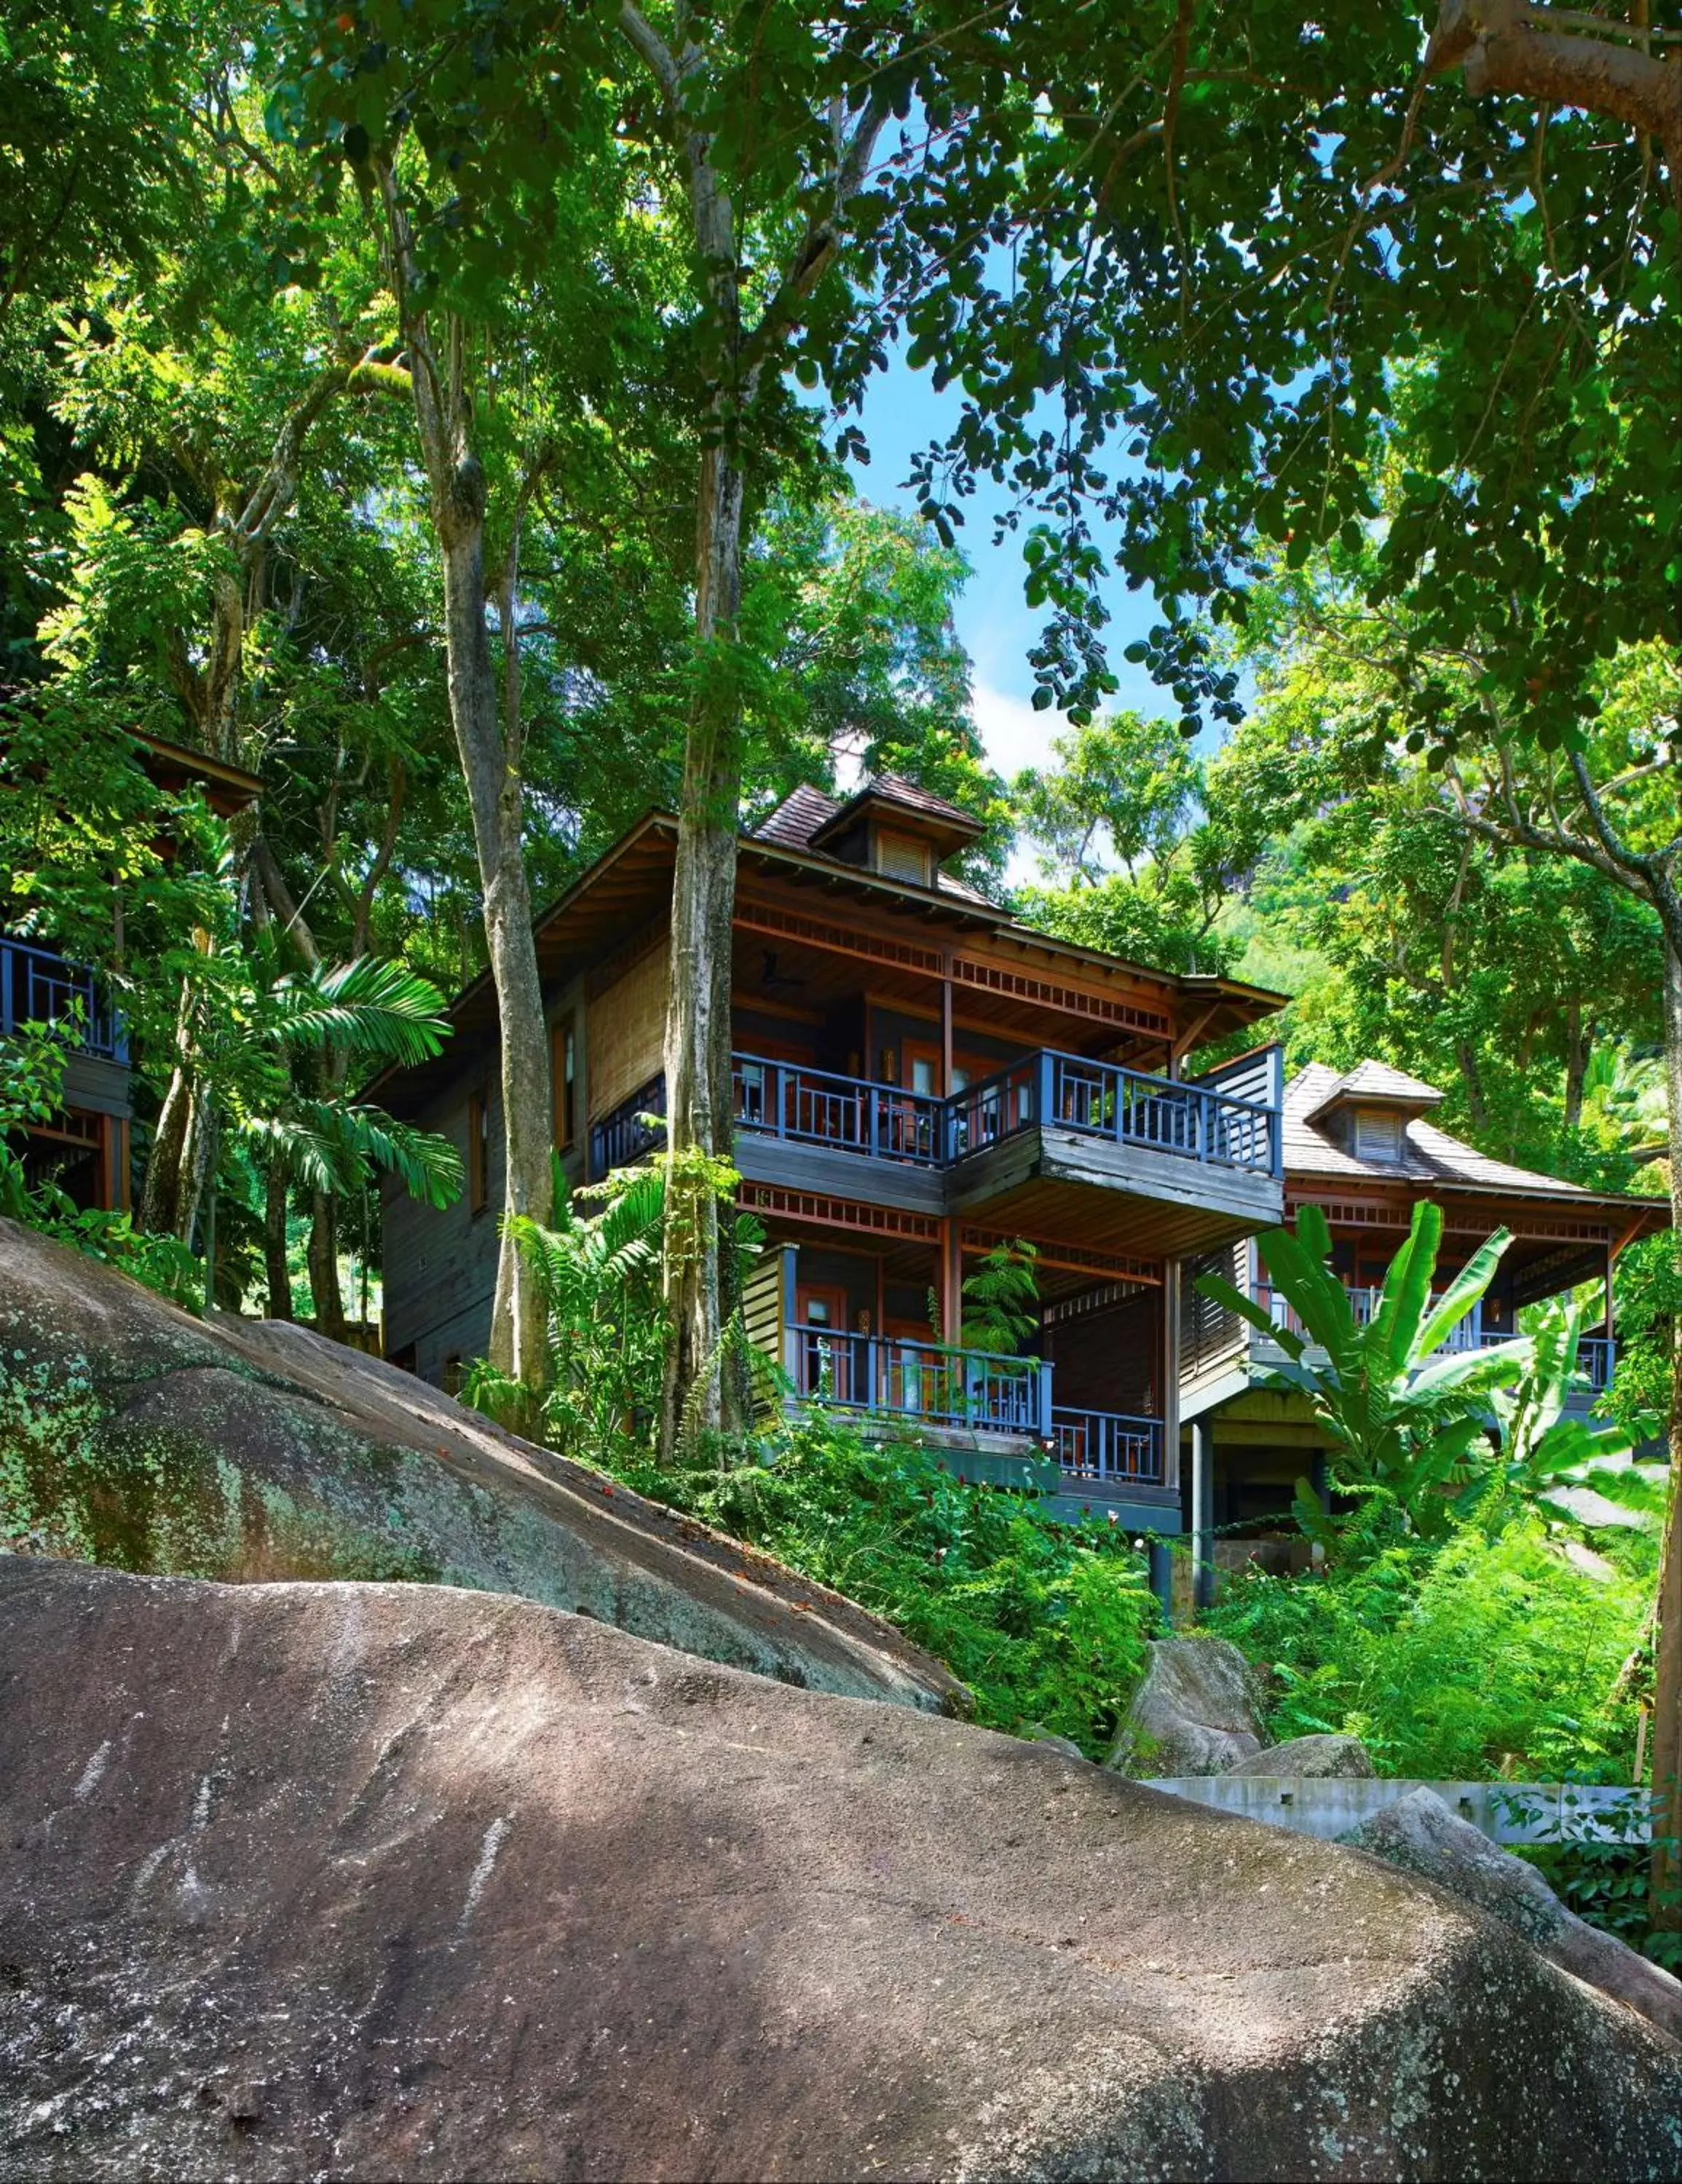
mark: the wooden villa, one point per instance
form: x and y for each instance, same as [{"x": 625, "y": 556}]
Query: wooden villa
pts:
[{"x": 917, "y": 1078}]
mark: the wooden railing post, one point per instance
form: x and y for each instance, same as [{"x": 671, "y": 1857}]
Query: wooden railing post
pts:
[{"x": 1042, "y": 1427}]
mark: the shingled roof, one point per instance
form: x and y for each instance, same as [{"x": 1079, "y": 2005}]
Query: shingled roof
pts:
[
  {"x": 1429, "y": 1154},
  {"x": 1378, "y": 1082},
  {"x": 806, "y": 812},
  {"x": 797, "y": 818}
]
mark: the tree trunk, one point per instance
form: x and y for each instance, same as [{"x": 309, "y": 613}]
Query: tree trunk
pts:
[
  {"x": 1665, "y": 1897},
  {"x": 698, "y": 1006},
  {"x": 1580, "y": 1046},
  {"x": 491, "y": 766},
  {"x": 274, "y": 1267},
  {"x": 324, "y": 1266},
  {"x": 1476, "y": 1105},
  {"x": 496, "y": 794}
]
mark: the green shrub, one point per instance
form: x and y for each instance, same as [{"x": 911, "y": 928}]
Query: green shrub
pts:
[
  {"x": 1485, "y": 1656},
  {"x": 1046, "y": 1623},
  {"x": 1601, "y": 1867}
]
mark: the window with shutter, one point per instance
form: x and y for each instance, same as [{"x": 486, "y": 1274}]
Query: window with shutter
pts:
[
  {"x": 902, "y": 857},
  {"x": 1378, "y": 1134}
]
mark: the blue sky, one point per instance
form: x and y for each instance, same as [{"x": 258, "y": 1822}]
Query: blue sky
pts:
[{"x": 901, "y": 414}]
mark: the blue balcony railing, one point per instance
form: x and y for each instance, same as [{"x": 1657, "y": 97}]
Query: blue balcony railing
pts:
[
  {"x": 1107, "y": 1448},
  {"x": 921, "y": 1383},
  {"x": 787, "y": 1099},
  {"x": 1101, "y": 1100},
  {"x": 38, "y": 987},
  {"x": 622, "y": 1136},
  {"x": 1190, "y": 1120}
]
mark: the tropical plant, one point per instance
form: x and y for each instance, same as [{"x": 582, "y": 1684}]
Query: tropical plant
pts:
[
  {"x": 1403, "y": 1423},
  {"x": 1045, "y": 1622},
  {"x": 1559, "y": 1461},
  {"x": 1490, "y": 1654},
  {"x": 252, "y": 1076},
  {"x": 1001, "y": 1300},
  {"x": 598, "y": 1276}
]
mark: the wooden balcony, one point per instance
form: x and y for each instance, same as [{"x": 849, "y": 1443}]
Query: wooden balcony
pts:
[
  {"x": 1201, "y": 1159},
  {"x": 992, "y": 1404},
  {"x": 924, "y": 1383},
  {"x": 39, "y": 987}
]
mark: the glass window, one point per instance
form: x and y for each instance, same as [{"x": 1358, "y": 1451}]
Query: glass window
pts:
[{"x": 564, "y": 1063}]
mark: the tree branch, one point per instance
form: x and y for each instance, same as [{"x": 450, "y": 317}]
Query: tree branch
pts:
[{"x": 1510, "y": 46}]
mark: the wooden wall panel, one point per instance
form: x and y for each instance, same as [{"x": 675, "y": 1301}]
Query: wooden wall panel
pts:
[
  {"x": 627, "y": 1031},
  {"x": 440, "y": 1267}
]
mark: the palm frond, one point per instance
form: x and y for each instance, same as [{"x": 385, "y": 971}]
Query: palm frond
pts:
[
  {"x": 1220, "y": 1291},
  {"x": 1394, "y": 1327},
  {"x": 379, "y": 1009}
]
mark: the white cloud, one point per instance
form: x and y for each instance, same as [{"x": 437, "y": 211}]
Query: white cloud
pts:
[{"x": 1015, "y": 735}]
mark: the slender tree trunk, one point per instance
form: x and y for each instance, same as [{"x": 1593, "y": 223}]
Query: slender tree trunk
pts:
[
  {"x": 324, "y": 1266},
  {"x": 276, "y": 1270},
  {"x": 160, "y": 1191},
  {"x": 1580, "y": 1046},
  {"x": 1666, "y": 1889},
  {"x": 491, "y": 766},
  {"x": 1477, "y": 1107},
  {"x": 697, "y": 1006},
  {"x": 496, "y": 794}
]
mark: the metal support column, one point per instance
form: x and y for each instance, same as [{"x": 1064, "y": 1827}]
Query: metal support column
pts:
[
  {"x": 1162, "y": 1580},
  {"x": 1203, "y": 1511}
]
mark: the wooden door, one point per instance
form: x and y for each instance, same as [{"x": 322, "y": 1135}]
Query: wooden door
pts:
[{"x": 825, "y": 1347}]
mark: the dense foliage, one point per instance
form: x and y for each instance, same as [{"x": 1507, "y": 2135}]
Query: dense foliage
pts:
[
  {"x": 1486, "y": 1653},
  {"x": 1046, "y": 1623}
]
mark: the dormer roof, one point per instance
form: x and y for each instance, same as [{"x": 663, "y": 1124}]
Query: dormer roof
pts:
[
  {"x": 1373, "y": 1084},
  {"x": 809, "y": 819},
  {"x": 1432, "y": 1164},
  {"x": 891, "y": 799}
]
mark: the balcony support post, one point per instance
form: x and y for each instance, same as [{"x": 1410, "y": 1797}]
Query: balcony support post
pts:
[
  {"x": 1203, "y": 1511},
  {"x": 1042, "y": 1426},
  {"x": 950, "y": 1284},
  {"x": 1168, "y": 1373},
  {"x": 946, "y": 1029}
]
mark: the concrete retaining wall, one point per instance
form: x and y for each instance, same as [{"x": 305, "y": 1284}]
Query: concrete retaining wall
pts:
[{"x": 1505, "y": 1812}]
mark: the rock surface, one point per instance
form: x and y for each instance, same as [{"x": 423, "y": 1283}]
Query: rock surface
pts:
[
  {"x": 1421, "y": 1834},
  {"x": 252, "y": 1449},
  {"x": 1311, "y": 1759},
  {"x": 1195, "y": 1712},
  {"x": 401, "y": 1881}
]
